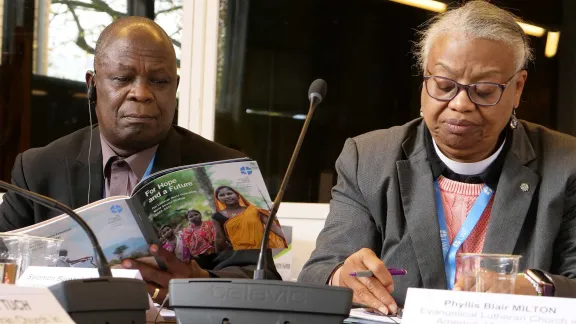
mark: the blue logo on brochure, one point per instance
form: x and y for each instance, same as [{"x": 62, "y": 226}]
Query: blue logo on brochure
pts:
[
  {"x": 246, "y": 170},
  {"x": 115, "y": 209}
]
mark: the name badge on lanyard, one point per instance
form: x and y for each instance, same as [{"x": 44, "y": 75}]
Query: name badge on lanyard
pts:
[{"x": 449, "y": 250}]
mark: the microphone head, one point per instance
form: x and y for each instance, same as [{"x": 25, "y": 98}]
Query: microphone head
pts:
[{"x": 317, "y": 90}]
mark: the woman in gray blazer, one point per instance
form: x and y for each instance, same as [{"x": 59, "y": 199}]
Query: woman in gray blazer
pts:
[{"x": 398, "y": 189}]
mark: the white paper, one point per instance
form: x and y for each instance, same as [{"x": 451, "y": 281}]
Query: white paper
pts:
[
  {"x": 443, "y": 306},
  {"x": 167, "y": 313},
  {"x": 362, "y": 314},
  {"x": 30, "y": 305},
  {"x": 48, "y": 276}
]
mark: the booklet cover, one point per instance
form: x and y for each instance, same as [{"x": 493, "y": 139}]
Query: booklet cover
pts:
[{"x": 191, "y": 211}]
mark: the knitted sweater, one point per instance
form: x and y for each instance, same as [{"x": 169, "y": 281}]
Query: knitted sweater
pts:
[{"x": 457, "y": 200}]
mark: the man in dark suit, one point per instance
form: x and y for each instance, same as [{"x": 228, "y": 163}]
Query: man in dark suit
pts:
[{"x": 133, "y": 89}]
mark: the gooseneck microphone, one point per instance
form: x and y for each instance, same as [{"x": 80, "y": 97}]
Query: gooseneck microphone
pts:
[
  {"x": 89, "y": 300},
  {"x": 240, "y": 301},
  {"x": 316, "y": 94},
  {"x": 101, "y": 261}
]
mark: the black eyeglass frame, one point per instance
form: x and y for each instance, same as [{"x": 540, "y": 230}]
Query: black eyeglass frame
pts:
[{"x": 467, "y": 87}]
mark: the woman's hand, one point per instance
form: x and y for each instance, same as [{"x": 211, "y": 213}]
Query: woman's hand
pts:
[
  {"x": 158, "y": 279},
  {"x": 491, "y": 284},
  {"x": 373, "y": 291}
]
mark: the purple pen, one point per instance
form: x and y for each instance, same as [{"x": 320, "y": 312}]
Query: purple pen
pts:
[{"x": 368, "y": 273}]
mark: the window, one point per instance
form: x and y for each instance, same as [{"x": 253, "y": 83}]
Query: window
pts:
[
  {"x": 67, "y": 33},
  {"x": 168, "y": 14}
]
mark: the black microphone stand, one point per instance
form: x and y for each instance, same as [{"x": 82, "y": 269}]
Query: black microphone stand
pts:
[{"x": 105, "y": 300}]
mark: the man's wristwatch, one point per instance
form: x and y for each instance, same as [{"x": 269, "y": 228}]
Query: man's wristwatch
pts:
[{"x": 543, "y": 285}]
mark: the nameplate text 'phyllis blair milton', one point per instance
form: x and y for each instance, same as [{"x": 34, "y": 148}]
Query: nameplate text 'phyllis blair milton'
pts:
[{"x": 452, "y": 307}]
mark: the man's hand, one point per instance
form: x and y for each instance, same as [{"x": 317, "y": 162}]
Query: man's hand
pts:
[
  {"x": 491, "y": 284},
  {"x": 374, "y": 291},
  {"x": 158, "y": 279}
]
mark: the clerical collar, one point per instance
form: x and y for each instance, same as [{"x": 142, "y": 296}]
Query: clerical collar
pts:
[
  {"x": 487, "y": 173},
  {"x": 468, "y": 169}
]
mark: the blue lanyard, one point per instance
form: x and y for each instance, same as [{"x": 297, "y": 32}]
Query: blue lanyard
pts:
[
  {"x": 449, "y": 250},
  {"x": 149, "y": 168}
]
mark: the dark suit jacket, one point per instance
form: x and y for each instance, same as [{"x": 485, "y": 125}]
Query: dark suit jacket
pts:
[
  {"x": 384, "y": 200},
  {"x": 60, "y": 171}
]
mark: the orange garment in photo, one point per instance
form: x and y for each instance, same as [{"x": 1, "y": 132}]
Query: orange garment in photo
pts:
[{"x": 246, "y": 229}]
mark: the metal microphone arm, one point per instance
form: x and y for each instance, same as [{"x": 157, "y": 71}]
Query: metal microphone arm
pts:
[{"x": 260, "y": 272}]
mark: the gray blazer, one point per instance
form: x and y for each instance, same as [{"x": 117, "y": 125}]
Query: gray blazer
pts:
[{"x": 384, "y": 200}]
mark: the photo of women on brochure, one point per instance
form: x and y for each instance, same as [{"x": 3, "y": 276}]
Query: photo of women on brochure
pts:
[{"x": 211, "y": 208}]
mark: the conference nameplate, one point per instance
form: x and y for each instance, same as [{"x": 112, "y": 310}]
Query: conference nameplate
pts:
[
  {"x": 444, "y": 306},
  {"x": 30, "y": 305},
  {"x": 48, "y": 276}
]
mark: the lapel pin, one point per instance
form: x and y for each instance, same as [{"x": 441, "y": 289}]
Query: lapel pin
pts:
[{"x": 524, "y": 187}]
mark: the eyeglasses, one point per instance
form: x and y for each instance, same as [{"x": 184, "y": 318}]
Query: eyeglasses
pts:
[{"x": 480, "y": 93}]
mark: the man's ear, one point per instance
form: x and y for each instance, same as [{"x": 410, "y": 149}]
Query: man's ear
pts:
[
  {"x": 89, "y": 78},
  {"x": 90, "y": 83}
]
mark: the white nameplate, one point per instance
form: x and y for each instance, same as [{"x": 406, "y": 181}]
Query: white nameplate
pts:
[
  {"x": 30, "y": 305},
  {"x": 443, "y": 306},
  {"x": 48, "y": 276}
]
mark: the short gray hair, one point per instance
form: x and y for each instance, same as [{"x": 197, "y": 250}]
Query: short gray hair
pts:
[{"x": 476, "y": 19}]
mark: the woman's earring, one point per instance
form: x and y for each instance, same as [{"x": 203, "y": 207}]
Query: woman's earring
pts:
[
  {"x": 421, "y": 113},
  {"x": 513, "y": 120}
]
